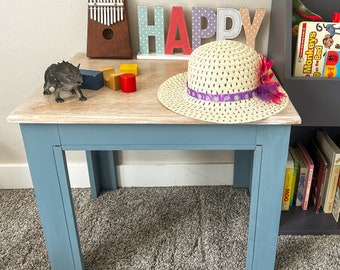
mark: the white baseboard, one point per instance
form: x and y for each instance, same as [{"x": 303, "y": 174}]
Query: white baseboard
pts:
[{"x": 14, "y": 176}]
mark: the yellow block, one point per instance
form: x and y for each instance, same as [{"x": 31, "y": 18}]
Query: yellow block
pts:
[{"x": 129, "y": 68}]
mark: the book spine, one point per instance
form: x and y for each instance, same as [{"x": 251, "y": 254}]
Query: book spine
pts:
[
  {"x": 320, "y": 185},
  {"x": 293, "y": 187},
  {"x": 309, "y": 175},
  {"x": 308, "y": 185},
  {"x": 330, "y": 192},
  {"x": 301, "y": 184},
  {"x": 336, "y": 203},
  {"x": 287, "y": 190}
]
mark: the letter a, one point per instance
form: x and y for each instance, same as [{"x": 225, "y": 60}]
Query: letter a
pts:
[{"x": 177, "y": 20}]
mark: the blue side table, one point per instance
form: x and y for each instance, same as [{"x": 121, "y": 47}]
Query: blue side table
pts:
[{"x": 111, "y": 120}]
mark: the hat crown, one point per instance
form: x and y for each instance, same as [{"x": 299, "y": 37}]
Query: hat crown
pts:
[{"x": 223, "y": 67}]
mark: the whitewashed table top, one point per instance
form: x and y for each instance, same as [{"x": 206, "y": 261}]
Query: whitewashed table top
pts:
[{"x": 106, "y": 106}]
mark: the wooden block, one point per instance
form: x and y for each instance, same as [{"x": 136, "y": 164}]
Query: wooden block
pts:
[
  {"x": 107, "y": 71},
  {"x": 92, "y": 79},
  {"x": 114, "y": 81},
  {"x": 129, "y": 68},
  {"x": 128, "y": 82},
  {"x": 111, "y": 79}
]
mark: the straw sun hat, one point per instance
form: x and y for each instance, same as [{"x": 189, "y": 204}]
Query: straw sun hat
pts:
[{"x": 226, "y": 82}]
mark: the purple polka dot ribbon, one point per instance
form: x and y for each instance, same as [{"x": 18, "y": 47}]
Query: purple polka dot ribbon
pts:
[{"x": 221, "y": 97}]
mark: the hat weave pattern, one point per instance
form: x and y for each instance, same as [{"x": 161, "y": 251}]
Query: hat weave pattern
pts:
[
  {"x": 220, "y": 69},
  {"x": 219, "y": 85}
]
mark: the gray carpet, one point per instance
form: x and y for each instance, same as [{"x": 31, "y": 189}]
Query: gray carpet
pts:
[{"x": 154, "y": 228}]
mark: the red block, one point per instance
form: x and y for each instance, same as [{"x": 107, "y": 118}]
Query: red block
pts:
[{"x": 128, "y": 82}]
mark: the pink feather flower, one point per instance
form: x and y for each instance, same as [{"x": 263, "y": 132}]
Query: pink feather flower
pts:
[{"x": 268, "y": 90}]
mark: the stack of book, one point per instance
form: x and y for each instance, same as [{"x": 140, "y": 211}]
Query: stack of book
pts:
[{"x": 313, "y": 177}]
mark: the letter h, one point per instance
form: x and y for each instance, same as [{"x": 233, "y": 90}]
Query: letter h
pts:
[{"x": 156, "y": 30}]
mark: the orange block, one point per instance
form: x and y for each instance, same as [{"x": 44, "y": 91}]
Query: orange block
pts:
[
  {"x": 107, "y": 71},
  {"x": 114, "y": 81},
  {"x": 111, "y": 79}
]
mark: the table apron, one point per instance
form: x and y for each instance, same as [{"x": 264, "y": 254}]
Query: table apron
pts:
[{"x": 153, "y": 137}]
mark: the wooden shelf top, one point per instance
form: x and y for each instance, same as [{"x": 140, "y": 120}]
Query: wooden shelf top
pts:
[{"x": 106, "y": 106}]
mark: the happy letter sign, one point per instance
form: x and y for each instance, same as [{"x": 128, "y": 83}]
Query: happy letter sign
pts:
[{"x": 178, "y": 38}]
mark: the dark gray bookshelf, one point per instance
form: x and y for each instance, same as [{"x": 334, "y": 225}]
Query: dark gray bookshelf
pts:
[
  {"x": 298, "y": 222},
  {"x": 316, "y": 99}
]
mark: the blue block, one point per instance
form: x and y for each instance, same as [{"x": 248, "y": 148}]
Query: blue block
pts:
[{"x": 92, "y": 79}]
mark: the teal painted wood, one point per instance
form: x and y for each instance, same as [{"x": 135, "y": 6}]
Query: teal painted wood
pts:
[
  {"x": 162, "y": 137},
  {"x": 102, "y": 171},
  {"x": 274, "y": 141},
  {"x": 265, "y": 148},
  {"x": 52, "y": 195},
  {"x": 243, "y": 167},
  {"x": 65, "y": 189},
  {"x": 254, "y": 199}
]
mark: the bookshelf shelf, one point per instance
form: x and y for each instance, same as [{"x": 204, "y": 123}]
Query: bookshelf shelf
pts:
[
  {"x": 298, "y": 222},
  {"x": 316, "y": 99}
]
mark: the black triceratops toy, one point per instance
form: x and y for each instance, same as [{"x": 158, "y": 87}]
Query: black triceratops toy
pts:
[{"x": 63, "y": 77}]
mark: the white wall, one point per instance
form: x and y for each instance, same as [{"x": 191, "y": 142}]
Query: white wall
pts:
[{"x": 36, "y": 33}]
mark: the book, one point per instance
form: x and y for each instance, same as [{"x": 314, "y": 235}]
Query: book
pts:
[
  {"x": 296, "y": 175},
  {"x": 287, "y": 188},
  {"x": 332, "y": 154},
  {"x": 318, "y": 49},
  {"x": 336, "y": 202},
  {"x": 301, "y": 177},
  {"x": 320, "y": 174},
  {"x": 332, "y": 64},
  {"x": 309, "y": 174}
]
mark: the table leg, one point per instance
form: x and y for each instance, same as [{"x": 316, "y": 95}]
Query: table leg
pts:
[
  {"x": 49, "y": 174},
  {"x": 102, "y": 171},
  {"x": 267, "y": 184},
  {"x": 243, "y": 167}
]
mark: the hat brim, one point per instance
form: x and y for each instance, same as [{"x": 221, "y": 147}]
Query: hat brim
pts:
[{"x": 172, "y": 93}]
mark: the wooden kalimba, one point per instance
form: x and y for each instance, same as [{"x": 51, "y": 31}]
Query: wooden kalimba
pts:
[{"x": 108, "y": 29}]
